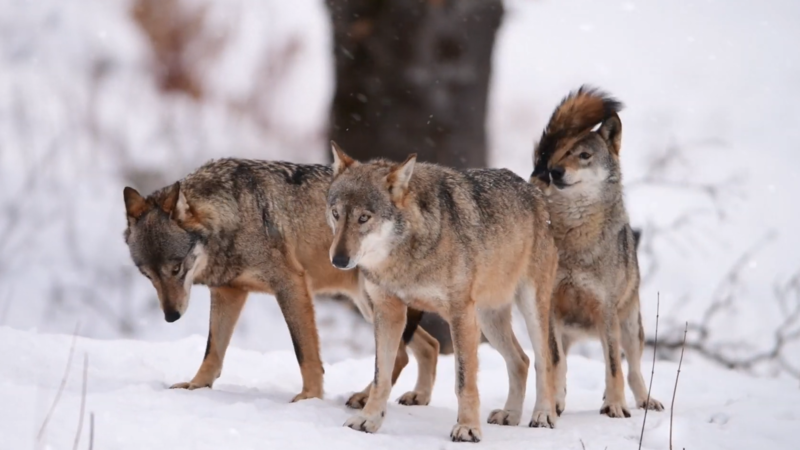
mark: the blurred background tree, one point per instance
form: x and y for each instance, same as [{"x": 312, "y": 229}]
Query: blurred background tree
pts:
[{"x": 412, "y": 76}]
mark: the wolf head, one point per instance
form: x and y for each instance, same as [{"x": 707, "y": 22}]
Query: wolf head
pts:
[
  {"x": 164, "y": 251},
  {"x": 573, "y": 158},
  {"x": 365, "y": 207}
]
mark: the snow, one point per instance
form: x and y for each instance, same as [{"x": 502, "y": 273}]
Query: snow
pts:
[
  {"x": 81, "y": 117},
  {"x": 249, "y": 406}
]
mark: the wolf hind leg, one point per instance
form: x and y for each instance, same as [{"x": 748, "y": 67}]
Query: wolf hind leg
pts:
[
  {"x": 614, "y": 404},
  {"x": 426, "y": 351},
  {"x": 534, "y": 306},
  {"x": 226, "y": 306},
  {"x": 496, "y": 326}
]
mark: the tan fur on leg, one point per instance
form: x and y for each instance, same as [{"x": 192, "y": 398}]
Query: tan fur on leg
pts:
[
  {"x": 632, "y": 339},
  {"x": 359, "y": 399},
  {"x": 296, "y": 304},
  {"x": 466, "y": 335},
  {"x": 614, "y": 404},
  {"x": 226, "y": 305},
  {"x": 390, "y": 318},
  {"x": 426, "y": 351},
  {"x": 537, "y": 319},
  {"x": 496, "y": 326}
]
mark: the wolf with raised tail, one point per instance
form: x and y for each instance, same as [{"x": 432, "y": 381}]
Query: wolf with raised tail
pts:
[
  {"x": 577, "y": 166},
  {"x": 463, "y": 243}
]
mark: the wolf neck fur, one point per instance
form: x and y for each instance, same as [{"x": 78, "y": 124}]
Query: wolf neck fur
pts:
[{"x": 578, "y": 223}]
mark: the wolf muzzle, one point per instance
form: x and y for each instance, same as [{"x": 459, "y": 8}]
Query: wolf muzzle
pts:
[
  {"x": 341, "y": 262},
  {"x": 171, "y": 316}
]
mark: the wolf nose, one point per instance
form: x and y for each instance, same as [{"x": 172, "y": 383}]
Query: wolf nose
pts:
[
  {"x": 340, "y": 261},
  {"x": 557, "y": 173},
  {"x": 171, "y": 316}
]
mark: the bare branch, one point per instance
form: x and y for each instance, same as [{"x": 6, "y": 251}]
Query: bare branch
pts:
[
  {"x": 675, "y": 390},
  {"x": 83, "y": 401},
  {"x": 786, "y": 332},
  {"x": 60, "y": 387},
  {"x": 652, "y": 371},
  {"x": 91, "y": 431}
]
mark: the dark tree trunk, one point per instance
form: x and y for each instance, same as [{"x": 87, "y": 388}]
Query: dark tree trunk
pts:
[{"x": 412, "y": 76}]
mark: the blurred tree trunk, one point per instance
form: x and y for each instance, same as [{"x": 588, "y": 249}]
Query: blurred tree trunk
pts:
[{"x": 412, "y": 76}]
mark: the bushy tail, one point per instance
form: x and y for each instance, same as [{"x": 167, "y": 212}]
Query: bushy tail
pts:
[{"x": 578, "y": 113}]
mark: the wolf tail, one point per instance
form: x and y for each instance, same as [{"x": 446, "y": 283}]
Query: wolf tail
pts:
[{"x": 577, "y": 114}]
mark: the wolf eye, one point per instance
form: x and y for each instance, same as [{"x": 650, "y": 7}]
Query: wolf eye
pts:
[
  {"x": 585, "y": 155},
  {"x": 176, "y": 269},
  {"x": 363, "y": 218},
  {"x": 335, "y": 214}
]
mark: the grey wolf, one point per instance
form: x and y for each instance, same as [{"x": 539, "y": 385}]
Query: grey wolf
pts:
[
  {"x": 241, "y": 226},
  {"x": 597, "y": 286},
  {"x": 465, "y": 244}
]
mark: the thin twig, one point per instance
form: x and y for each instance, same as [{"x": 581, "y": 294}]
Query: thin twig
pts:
[
  {"x": 91, "y": 431},
  {"x": 675, "y": 390},
  {"x": 60, "y": 387},
  {"x": 652, "y": 371},
  {"x": 83, "y": 401},
  {"x": 583, "y": 446}
]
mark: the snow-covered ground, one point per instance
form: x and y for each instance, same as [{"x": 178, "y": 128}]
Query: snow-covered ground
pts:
[
  {"x": 249, "y": 406},
  {"x": 709, "y": 156}
]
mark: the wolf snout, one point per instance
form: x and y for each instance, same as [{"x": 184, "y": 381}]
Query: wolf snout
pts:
[
  {"x": 541, "y": 174},
  {"x": 341, "y": 261},
  {"x": 171, "y": 316},
  {"x": 557, "y": 173}
]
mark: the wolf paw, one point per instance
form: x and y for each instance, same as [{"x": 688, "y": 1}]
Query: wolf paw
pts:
[
  {"x": 360, "y": 422},
  {"x": 653, "y": 404},
  {"x": 414, "y": 398},
  {"x": 559, "y": 407},
  {"x": 465, "y": 433},
  {"x": 543, "y": 419},
  {"x": 357, "y": 400},
  {"x": 504, "y": 417},
  {"x": 190, "y": 385},
  {"x": 617, "y": 410},
  {"x": 305, "y": 395}
]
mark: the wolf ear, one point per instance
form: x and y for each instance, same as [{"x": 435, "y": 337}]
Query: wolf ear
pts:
[
  {"x": 611, "y": 131},
  {"x": 340, "y": 160},
  {"x": 169, "y": 202},
  {"x": 398, "y": 179},
  {"x": 175, "y": 203},
  {"x": 135, "y": 204}
]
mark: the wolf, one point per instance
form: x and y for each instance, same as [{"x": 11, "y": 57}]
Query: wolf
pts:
[
  {"x": 597, "y": 286},
  {"x": 465, "y": 244},
  {"x": 241, "y": 226}
]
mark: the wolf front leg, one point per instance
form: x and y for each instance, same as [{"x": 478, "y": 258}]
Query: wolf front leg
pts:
[
  {"x": 426, "y": 352},
  {"x": 226, "y": 306},
  {"x": 633, "y": 345},
  {"x": 614, "y": 404},
  {"x": 390, "y": 319},
  {"x": 294, "y": 298},
  {"x": 359, "y": 399},
  {"x": 466, "y": 336}
]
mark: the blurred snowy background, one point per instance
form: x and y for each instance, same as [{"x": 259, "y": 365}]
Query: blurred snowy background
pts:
[{"x": 94, "y": 96}]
